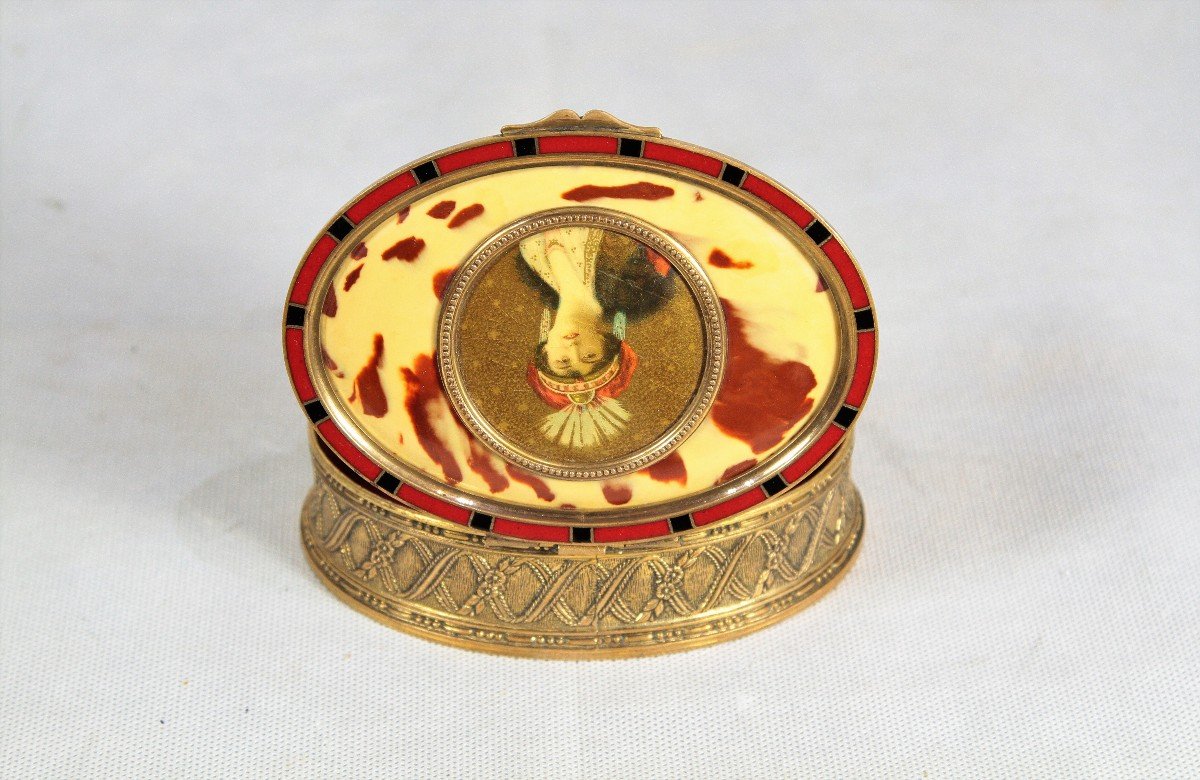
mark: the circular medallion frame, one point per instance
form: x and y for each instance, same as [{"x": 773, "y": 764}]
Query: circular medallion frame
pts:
[{"x": 460, "y": 287}]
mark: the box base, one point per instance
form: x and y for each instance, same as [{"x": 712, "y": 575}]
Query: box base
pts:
[{"x": 485, "y": 592}]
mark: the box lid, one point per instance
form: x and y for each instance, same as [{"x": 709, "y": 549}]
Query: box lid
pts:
[{"x": 578, "y": 329}]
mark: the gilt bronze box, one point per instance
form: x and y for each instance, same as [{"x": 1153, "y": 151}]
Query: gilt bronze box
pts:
[{"x": 579, "y": 390}]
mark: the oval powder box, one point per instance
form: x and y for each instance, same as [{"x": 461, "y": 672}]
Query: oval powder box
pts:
[{"x": 578, "y": 390}]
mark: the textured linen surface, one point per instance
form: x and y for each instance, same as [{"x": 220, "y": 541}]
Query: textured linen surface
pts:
[{"x": 1019, "y": 183}]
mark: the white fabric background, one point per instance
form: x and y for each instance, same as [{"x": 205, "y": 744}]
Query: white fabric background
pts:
[{"x": 1019, "y": 182}]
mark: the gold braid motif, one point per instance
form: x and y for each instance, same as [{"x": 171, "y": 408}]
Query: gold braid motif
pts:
[{"x": 485, "y": 592}]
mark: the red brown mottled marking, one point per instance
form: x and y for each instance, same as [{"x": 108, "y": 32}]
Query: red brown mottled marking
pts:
[
  {"x": 616, "y": 494},
  {"x": 359, "y": 252},
  {"x": 481, "y": 462},
  {"x": 441, "y": 210},
  {"x": 540, "y": 488},
  {"x": 762, "y": 397},
  {"x": 330, "y": 365},
  {"x": 642, "y": 190},
  {"x": 329, "y": 305},
  {"x": 423, "y": 397},
  {"x": 367, "y": 385},
  {"x": 669, "y": 469},
  {"x": 406, "y": 250},
  {"x": 466, "y": 215},
  {"x": 567, "y": 506},
  {"x": 698, "y": 196},
  {"x": 352, "y": 278},
  {"x": 402, "y": 214},
  {"x": 439, "y": 281},
  {"x": 719, "y": 259},
  {"x": 821, "y": 284},
  {"x": 735, "y": 470}
]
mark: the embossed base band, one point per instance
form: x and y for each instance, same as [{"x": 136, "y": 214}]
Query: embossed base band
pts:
[{"x": 481, "y": 591}]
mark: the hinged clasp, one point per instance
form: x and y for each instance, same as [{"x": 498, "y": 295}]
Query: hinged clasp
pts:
[{"x": 567, "y": 121}]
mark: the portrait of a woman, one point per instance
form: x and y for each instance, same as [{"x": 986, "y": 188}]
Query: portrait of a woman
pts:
[{"x": 593, "y": 284}]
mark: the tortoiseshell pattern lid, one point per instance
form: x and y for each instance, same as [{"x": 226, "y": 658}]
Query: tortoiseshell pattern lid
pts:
[{"x": 579, "y": 332}]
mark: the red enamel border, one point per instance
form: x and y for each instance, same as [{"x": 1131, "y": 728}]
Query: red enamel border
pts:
[
  {"x": 845, "y": 267},
  {"x": 433, "y": 504},
  {"x": 780, "y": 200},
  {"x": 577, "y": 144},
  {"x": 862, "y": 369},
  {"x": 491, "y": 150},
  {"x": 743, "y": 500},
  {"x": 474, "y": 156},
  {"x": 310, "y": 268},
  {"x": 294, "y": 345},
  {"x": 397, "y": 185},
  {"x": 531, "y": 531},
  {"x": 814, "y": 455},
  {"x": 353, "y": 456},
  {"x": 628, "y": 533},
  {"x": 682, "y": 157}
]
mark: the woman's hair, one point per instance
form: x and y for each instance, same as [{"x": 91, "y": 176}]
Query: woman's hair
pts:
[
  {"x": 625, "y": 281},
  {"x": 612, "y": 345},
  {"x": 634, "y": 286}
]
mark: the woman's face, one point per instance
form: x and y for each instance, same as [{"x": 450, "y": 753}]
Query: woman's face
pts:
[{"x": 574, "y": 353}]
